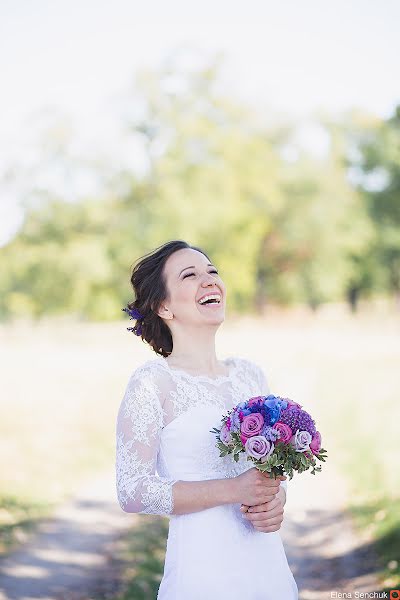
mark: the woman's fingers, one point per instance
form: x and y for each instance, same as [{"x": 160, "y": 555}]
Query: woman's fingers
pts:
[
  {"x": 265, "y": 506},
  {"x": 265, "y": 512},
  {"x": 259, "y": 518},
  {"x": 266, "y": 517},
  {"x": 268, "y": 529},
  {"x": 278, "y": 477},
  {"x": 267, "y": 523}
]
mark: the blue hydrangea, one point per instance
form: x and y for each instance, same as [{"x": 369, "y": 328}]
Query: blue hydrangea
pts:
[
  {"x": 263, "y": 410},
  {"x": 247, "y": 411}
]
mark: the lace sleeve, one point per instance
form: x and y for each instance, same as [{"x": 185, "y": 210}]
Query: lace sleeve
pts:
[
  {"x": 264, "y": 391},
  {"x": 138, "y": 427}
]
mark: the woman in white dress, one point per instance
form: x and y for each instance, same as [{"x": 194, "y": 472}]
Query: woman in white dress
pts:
[{"x": 224, "y": 517}]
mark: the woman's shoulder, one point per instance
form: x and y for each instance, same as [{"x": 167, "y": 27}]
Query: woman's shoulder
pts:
[
  {"x": 147, "y": 381},
  {"x": 157, "y": 369},
  {"x": 245, "y": 363},
  {"x": 150, "y": 369},
  {"x": 155, "y": 372}
]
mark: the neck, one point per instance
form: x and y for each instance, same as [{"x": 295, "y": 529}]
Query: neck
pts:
[{"x": 195, "y": 350}]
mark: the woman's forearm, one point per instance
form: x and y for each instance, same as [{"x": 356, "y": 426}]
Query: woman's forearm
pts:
[{"x": 193, "y": 496}]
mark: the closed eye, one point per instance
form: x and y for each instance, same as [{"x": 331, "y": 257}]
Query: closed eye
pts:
[{"x": 189, "y": 274}]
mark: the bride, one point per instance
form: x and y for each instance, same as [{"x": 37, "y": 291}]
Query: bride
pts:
[{"x": 224, "y": 517}]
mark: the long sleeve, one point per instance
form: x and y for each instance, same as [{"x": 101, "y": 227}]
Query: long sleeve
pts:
[
  {"x": 139, "y": 422},
  {"x": 264, "y": 391}
]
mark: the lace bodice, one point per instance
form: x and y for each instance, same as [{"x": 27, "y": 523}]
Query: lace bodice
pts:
[{"x": 163, "y": 430}]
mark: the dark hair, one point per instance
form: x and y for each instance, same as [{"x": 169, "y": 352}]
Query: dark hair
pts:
[{"x": 150, "y": 291}]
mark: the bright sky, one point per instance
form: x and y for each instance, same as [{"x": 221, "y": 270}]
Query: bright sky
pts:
[{"x": 291, "y": 56}]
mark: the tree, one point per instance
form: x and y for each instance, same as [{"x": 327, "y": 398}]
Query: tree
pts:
[{"x": 378, "y": 164}]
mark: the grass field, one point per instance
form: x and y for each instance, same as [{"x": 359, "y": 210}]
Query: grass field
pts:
[{"x": 63, "y": 382}]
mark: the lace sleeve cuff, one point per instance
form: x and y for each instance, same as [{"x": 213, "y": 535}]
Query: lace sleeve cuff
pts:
[{"x": 157, "y": 496}]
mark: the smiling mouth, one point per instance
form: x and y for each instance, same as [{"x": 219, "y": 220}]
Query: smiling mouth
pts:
[
  {"x": 211, "y": 304},
  {"x": 210, "y": 299}
]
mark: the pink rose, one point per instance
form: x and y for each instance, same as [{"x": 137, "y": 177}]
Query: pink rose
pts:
[
  {"x": 251, "y": 425},
  {"x": 315, "y": 445},
  {"x": 285, "y": 432},
  {"x": 255, "y": 400},
  {"x": 293, "y": 403}
]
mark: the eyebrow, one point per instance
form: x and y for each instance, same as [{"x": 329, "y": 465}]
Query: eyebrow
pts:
[{"x": 193, "y": 267}]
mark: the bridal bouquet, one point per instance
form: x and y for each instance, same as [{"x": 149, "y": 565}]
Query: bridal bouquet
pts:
[{"x": 275, "y": 433}]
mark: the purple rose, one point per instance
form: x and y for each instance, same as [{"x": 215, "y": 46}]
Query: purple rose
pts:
[
  {"x": 259, "y": 447},
  {"x": 251, "y": 425},
  {"x": 301, "y": 440}
]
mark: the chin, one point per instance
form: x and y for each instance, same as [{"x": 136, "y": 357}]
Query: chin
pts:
[
  {"x": 213, "y": 318},
  {"x": 217, "y": 320}
]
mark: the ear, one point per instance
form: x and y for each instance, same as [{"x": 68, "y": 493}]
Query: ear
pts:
[{"x": 164, "y": 312}]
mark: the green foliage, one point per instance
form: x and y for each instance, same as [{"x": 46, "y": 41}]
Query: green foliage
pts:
[
  {"x": 142, "y": 554},
  {"x": 279, "y": 231},
  {"x": 380, "y": 516},
  {"x": 18, "y": 518},
  {"x": 378, "y": 163}
]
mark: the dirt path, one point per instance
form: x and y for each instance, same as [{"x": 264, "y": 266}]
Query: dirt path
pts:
[
  {"x": 323, "y": 549},
  {"x": 71, "y": 557},
  {"x": 72, "y": 553}
]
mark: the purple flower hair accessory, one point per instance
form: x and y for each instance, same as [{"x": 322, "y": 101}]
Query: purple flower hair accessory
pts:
[{"x": 134, "y": 314}]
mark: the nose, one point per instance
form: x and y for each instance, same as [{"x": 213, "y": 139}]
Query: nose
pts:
[{"x": 208, "y": 281}]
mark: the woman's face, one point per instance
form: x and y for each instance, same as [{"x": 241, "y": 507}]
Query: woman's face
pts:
[{"x": 189, "y": 277}]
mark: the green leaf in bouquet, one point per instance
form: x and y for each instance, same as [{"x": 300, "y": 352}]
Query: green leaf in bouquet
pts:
[
  {"x": 236, "y": 438},
  {"x": 262, "y": 467},
  {"x": 303, "y": 459},
  {"x": 214, "y": 430}
]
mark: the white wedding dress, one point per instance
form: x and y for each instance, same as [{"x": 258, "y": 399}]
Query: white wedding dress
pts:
[{"x": 163, "y": 436}]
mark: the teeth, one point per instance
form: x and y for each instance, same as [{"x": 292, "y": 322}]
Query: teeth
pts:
[{"x": 210, "y": 297}]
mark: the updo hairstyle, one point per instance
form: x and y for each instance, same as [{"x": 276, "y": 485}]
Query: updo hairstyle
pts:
[{"x": 150, "y": 290}]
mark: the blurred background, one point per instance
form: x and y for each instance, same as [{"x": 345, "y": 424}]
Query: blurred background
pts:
[{"x": 267, "y": 134}]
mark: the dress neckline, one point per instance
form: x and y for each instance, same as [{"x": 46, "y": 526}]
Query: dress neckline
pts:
[{"x": 227, "y": 361}]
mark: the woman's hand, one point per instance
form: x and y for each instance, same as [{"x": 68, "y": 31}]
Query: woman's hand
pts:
[
  {"x": 256, "y": 488},
  {"x": 266, "y": 517}
]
